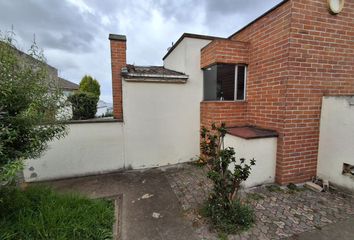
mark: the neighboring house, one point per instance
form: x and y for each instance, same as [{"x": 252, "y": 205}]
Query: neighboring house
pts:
[
  {"x": 266, "y": 81},
  {"x": 52, "y": 73},
  {"x": 28, "y": 60},
  {"x": 67, "y": 87}
]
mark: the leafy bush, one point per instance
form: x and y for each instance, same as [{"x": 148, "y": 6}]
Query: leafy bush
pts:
[
  {"x": 40, "y": 213},
  {"x": 29, "y": 103},
  {"x": 229, "y": 218},
  {"x": 90, "y": 85},
  {"x": 224, "y": 207},
  {"x": 84, "y": 105}
]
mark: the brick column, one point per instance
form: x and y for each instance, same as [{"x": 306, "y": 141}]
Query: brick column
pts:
[{"x": 118, "y": 61}]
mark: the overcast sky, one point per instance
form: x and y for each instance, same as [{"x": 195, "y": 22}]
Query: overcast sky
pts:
[{"x": 74, "y": 33}]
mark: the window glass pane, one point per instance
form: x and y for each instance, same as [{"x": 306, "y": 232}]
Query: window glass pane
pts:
[
  {"x": 219, "y": 82},
  {"x": 226, "y": 82},
  {"x": 240, "y": 82},
  {"x": 210, "y": 85}
]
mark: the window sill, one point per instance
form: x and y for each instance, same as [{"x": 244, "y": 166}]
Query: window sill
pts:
[{"x": 216, "y": 101}]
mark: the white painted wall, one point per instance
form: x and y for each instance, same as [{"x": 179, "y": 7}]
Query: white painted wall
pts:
[
  {"x": 161, "y": 127},
  {"x": 263, "y": 150},
  {"x": 336, "y": 144},
  {"x": 162, "y": 119},
  {"x": 89, "y": 148}
]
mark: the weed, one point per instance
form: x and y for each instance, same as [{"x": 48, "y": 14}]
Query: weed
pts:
[
  {"x": 40, "y": 213},
  {"x": 274, "y": 188},
  {"x": 254, "y": 197}
]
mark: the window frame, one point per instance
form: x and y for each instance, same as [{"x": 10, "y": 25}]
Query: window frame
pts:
[{"x": 236, "y": 83}]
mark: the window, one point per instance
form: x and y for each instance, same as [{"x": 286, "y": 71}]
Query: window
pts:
[{"x": 225, "y": 82}]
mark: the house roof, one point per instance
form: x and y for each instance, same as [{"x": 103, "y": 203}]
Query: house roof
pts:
[
  {"x": 67, "y": 85},
  {"x": 189, "y": 35},
  {"x": 152, "y": 74}
]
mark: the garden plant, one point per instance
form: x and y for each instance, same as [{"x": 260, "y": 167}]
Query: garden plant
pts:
[
  {"x": 30, "y": 104},
  {"x": 31, "y": 107},
  {"x": 84, "y": 102},
  {"x": 224, "y": 207}
]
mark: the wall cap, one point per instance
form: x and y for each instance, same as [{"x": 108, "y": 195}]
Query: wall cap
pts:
[
  {"x": 93, "y": 120},
  {"x": 117, "y": 37},
  {"x": 251, "y": 132}
]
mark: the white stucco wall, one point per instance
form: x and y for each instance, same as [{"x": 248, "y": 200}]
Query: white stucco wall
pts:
[
  {"x": 336, "y": 144},
  {"x": 162, "y": 119},
  {"x": 161, "y": 127},
  {"x": 89, "y": 148},
  {"x": 263, "y": 150}
]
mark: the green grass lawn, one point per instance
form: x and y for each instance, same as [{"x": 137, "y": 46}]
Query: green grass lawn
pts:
[{"x": 41, "y": 213}]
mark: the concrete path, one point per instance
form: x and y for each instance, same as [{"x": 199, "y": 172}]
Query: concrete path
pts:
[
  {"x": 151, "y": 211},
  {"x": 144, "y": 194},
  {"x": 343, "y": 230}
]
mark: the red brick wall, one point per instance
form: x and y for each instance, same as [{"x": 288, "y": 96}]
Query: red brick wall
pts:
[
  {"x": 232, "y": 113},
  {"x": 224, "y": 51},
  {"x": 298, "y": 53},
  {"x": 268, "y": 67},
  {"x": 268, "y": 71},
  {"x": 118, "y": 58},
  {"x": 321, "y": 63}
]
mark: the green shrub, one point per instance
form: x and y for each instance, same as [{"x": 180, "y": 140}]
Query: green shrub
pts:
[
  {"x": 29, "y": 104},
  {"x": 84, "y": 105},
  {"x": 224, "y": 207},
  {"x": 90, "y": 85},
  {"x": 227, "y": 217}
]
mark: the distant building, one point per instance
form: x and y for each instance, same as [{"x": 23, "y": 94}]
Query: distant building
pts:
[
  {"x": 104, "y": 109},
  {"x": 68, "y": 87}
]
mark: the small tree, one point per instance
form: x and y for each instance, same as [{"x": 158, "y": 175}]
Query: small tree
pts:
[
  {"x": 29, "y": 103},
  {"x": 84, "y": 105},
  {"x": 224, "y": 206},
  {"x": 90, "y": 85}
]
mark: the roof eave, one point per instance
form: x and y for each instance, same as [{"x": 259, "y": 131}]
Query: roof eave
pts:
[
  {"x": 190, "y": 35},
  {"x": 142, "y": 75},
  {"x": 155, "y": 80}
]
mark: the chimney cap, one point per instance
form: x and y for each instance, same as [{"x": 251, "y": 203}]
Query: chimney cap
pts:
[{"x": 117, "y": 37}]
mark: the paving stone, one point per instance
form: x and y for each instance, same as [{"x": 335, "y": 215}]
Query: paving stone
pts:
[{"x": 279, "y": 214}]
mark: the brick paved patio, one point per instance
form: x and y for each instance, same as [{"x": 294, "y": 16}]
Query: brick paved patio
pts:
[{"x": 280, "y": 213}]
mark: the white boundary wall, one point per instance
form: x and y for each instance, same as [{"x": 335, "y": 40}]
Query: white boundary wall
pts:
[
  {"x": 263, "y": 150},
  {"x": 161, "y": 127},
  {"x": 336, "y": 144},
  {"x": 89, "y": 148}
]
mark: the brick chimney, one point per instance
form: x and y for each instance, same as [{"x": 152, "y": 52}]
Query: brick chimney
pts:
[{"x": 118, "y": 61}]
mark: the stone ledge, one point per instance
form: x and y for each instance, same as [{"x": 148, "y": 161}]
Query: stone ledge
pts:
[
  {"x": 251, "y": 132},
  {"x": 94, "y": 120}
]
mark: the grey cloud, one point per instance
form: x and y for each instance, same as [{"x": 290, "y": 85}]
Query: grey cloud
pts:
[
  {"x": 240, "y": 7},
  {"x": 75, "y": 41},
  {"x": 56, "y": 23},
  {"x": 67, "y": 41},
  {"x": 183, "y": 10}
]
